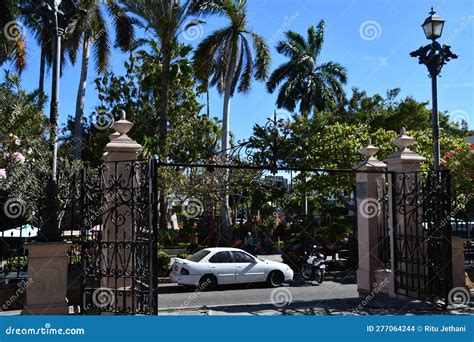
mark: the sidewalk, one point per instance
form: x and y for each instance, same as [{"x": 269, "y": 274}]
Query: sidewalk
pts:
[{"x": 333, "y": 307}]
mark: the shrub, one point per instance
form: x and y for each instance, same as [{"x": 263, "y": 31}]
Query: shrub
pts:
[
  {"x": 163, "y": 264},
  {"x": 16, "y": 263},
  {"x": 183, "y": 255}
]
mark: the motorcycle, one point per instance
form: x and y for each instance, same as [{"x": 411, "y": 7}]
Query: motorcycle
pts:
[{"x": 314, "y": 266}]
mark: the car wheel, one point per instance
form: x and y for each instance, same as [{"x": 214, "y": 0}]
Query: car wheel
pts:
[
  {"x": 275, "y": 278},
  {"x": 208, "y": 282}
]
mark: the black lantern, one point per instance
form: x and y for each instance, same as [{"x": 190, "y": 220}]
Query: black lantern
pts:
[{"x": 433, "y": 26}]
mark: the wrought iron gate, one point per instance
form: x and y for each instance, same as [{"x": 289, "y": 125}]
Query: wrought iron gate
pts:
[
  {"x": 422, "y": 235},
  {"x": 118, "y": 209}
]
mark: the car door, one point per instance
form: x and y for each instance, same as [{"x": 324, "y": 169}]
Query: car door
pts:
[
  {"x": 248, "y": 268},
  {"x": 222, "y": 266}
]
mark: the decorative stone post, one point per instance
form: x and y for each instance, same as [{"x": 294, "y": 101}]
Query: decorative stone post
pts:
[
  {"x": 370, "y": 183},
  {"x": 47, "y": 279},
  {"x": 404, "y": 164},
  {"x": 120, "y": 178},
  {"x": 459, "y": 278}
]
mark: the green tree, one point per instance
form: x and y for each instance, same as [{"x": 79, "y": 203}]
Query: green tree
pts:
[
  {"x": 25, "y": 157},
  {"x": 226, "y": 57},
  {"x": 229, "y": 58},
  {"x": 316, "y": 86},
  {"x": 93, "y": 32},
  {"x": 166, "y": 19}
]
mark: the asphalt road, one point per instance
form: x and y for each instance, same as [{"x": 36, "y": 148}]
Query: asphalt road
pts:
[{"x": 175, "y": 297}]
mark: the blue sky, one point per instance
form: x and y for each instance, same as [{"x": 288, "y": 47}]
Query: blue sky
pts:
[{"x": 371, "y": 38}]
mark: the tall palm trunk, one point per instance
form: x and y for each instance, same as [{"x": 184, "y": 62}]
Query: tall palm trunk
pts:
[
  {"x": 225, "y": 234},
  {"x": 81, "y": 97},
  {"x": 165, "y": 85},
  {"x": 41, "y": 73},
  {"x": 208, "y": 104}
]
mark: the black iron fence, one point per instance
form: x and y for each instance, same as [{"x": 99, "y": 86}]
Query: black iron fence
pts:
[
  {"x": 422, "y": 235},
  {"x": 112, "y": 215}
]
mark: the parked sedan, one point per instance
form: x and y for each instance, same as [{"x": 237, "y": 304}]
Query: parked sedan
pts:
[{"x": 216, "y": 266}]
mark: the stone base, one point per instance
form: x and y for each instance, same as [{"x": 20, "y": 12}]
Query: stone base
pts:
[
  {"x": 59, "y": 309},
  {"x": 459, "y": 277},
  {"x": 47, "y": 276},
  {"x": 364, "y": 281},
  {"x": 385, "y": 282}
]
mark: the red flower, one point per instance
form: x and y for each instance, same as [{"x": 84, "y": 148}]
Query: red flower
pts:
[{"x": 448, "y": 156}]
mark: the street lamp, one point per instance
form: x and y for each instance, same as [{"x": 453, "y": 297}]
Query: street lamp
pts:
[
  {"x": 434, "y": 56},
  {"x": 61, "y": 17}
]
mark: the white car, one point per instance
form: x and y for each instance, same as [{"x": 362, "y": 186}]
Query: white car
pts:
[{"x": 221, "y": 265}]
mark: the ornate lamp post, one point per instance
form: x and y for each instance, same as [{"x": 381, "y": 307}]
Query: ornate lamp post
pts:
[
  {"x": 61, "y": 17},
  {"x": 434, "y": 56}
]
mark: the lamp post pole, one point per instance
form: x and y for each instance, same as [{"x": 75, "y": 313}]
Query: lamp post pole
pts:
[
  {"x": 435, "y": 121},
  {"x": 59, "y": 15},
  {"x": 434, "y": 56}
]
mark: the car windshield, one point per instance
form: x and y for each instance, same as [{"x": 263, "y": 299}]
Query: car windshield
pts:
[{"x": 198, "y": 256}]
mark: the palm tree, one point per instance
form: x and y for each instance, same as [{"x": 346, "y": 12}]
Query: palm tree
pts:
[
  {"x": 166, "y": 19},
  {"x": 315, "y": 86},
  {"x": 12, "y": 39},
  {"x": 93, "y": 32},
  {"x": 226, "y": 56},
  {"x": 229, "y": 58}
]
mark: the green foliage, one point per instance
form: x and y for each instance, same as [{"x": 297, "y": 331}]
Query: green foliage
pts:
[
  {"x": 26, "y": 154},
  {"x": 460, "y": 162},
  {"x": 163, "y": 262},
  {"x": 15, "y": 263},
  {"x": 25, "y": 149},
  {"x": 190, "y": 135},
  {"x": 12, "y": 49},
  {"x": 183, "y": 255},
  {"x": 315, "y": 86}
]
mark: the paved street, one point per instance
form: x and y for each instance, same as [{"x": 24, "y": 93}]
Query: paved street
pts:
[{"x": 174, "y": 296}]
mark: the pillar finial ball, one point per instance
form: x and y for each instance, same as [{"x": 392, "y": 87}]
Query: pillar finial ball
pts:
[{"x": 123, "y": 126}]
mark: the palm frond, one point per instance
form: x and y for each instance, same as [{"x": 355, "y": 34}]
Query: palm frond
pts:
[
  {"x": 101, "y": 43},
  {"x": 124, "y": 26}
]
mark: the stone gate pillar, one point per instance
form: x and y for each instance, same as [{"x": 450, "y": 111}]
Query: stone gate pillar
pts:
[
  {"x": 404, "y": 165},
  {"x": 370, "y": 185},
  {"x": 120, "y": 177}
]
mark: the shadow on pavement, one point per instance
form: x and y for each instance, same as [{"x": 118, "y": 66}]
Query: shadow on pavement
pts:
[
  {"x": 176, "y": 288},
  {"x": 338, "y": 307}
]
